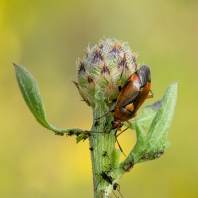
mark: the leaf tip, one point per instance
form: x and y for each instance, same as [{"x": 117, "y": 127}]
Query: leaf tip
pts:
[
  {"x": 155, "y": 106},
  {"x": 176, "y": 82}
]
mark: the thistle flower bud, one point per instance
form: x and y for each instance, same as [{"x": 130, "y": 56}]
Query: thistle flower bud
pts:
[{"x": 101, "y": 69}]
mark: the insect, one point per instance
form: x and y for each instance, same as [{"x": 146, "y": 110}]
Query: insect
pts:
[
  {"x": 158, "y": 154},
  {"x": 116, "y": 186},
  {"x": 59, "y": 133},
  {"x": 127, "y": 167},
  {"x": 133, "y": 94},
  {"x": 91, "y": 148},
  {"x": 107, "y": 178},
  {"x": 105, "y": 154},
  {"x": 70, "y": 133}
]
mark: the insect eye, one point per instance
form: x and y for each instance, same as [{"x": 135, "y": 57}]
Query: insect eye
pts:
[{"x": 114, "y": 124}]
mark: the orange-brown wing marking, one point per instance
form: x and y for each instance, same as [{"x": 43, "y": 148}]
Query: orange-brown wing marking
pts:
[{"x": 130, "y": 107}]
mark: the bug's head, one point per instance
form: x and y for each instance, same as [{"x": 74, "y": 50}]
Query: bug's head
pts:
[
  {"x": 144, "y": 74},
  {"x": 116, "y": 124}
]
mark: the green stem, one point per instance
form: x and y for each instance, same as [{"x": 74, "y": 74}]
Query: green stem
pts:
[{"x": 102, "y": 145}]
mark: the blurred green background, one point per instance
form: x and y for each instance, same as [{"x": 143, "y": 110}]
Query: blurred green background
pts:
[{"x": 47, "y": 37}]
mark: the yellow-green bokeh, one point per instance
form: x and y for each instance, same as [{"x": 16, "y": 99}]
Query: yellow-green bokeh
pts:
[{"x": 47, "y": 37}]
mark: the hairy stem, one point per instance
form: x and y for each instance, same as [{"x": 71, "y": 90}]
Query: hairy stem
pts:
[{"x": 101, "y": 146}]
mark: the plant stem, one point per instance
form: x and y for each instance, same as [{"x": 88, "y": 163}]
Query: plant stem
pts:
[{"x": 103, "y": 146}]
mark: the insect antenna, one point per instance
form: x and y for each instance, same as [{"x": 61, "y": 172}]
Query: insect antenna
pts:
[
  {"x": 119, "y": 143},
  {"x": 111, "y": 111},
  {"x": 120, "y": 147},
  {"x": 117, "y": 139},
  {"x": 122, "y": 131}
]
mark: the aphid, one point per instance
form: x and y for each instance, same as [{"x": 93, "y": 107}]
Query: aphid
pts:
[
  {"x": 86, "y": 135},
  {"x": 107, "y": 178},
  {"x": 59, "y": 133},
  {"x": 105, "y": 154},
  {"x": 91, "y": 148},
  {"x": 158, "y": 154},
  {"x": 70, "y": 133},
  {"x": 116, "y": 186},
  {"x": 145, "y": 156},
  {"x": 127, "y": 167},
  {"x": 96, "y": 123}
]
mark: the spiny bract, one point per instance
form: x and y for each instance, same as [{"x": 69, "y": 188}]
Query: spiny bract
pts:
[{"x": 100, "y": 70}]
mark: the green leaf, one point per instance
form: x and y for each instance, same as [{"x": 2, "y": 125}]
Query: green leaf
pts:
[
  {"x": 32, "y": 97},
  {"x": 146, "y": 117},
  {"x": 152, "y": 145},
  {"x": 158, "y": 131}
]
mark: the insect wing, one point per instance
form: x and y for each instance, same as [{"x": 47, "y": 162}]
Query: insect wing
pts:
[
  {"x": 142, "y": 96},
  {"x": 130, "y": 91}
]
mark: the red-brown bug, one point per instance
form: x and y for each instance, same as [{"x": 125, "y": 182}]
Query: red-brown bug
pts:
[{"x": 133, "y": 94}]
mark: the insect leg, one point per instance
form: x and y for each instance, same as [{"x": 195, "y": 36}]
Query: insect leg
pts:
[
  {"x": 119, "y": 144},
  {"x": 150, "y": 96},
  {"x": 124, "y": 129}
]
